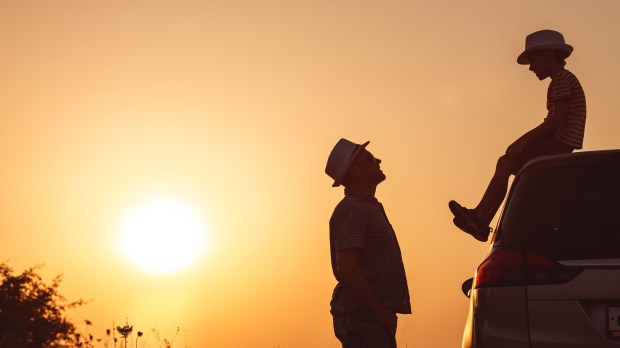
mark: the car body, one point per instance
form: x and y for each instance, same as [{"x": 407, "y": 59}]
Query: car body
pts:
[{"x": 552, "y": 276}]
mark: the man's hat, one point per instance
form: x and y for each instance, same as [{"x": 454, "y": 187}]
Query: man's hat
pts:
[
  {"x": 341, "y": 158},
  {"x": 544, "y": 40}
]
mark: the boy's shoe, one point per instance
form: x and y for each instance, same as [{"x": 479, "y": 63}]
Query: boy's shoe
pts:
[
  {"x": 469, "y": 222},
  {"x": 480, "y": 234}
]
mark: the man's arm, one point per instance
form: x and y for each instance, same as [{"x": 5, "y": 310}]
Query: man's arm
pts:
[
  {"x": 551, "y": 124},
  {"x": 351, "y": 274}
]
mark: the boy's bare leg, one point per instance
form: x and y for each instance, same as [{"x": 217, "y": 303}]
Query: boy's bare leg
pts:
[{"x": 496, "y": 191}]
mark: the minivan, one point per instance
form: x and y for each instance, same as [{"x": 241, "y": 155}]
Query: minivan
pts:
[{"x": 552, "y": 276}]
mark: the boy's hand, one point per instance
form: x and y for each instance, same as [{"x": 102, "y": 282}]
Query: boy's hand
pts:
[{"x": 515, "y": 149}]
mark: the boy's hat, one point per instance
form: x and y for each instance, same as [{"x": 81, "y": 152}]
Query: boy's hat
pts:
[
  {"x": 544, "y": 40},
  {"x": 341, "y": 158}
]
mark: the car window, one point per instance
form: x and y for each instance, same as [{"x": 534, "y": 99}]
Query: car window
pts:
[{"x": 571, "y": 212}]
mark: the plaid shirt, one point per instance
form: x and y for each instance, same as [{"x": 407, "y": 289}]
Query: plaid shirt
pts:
[{"x": 359, "y": 221}]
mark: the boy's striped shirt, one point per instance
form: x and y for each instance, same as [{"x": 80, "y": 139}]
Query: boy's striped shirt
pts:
[{"x": 565, "y": 86}]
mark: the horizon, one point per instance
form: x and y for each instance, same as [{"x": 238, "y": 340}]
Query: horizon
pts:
[{"x": 229, "y": 109}]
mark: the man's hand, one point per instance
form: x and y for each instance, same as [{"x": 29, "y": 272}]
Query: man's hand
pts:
[
  {"x": 347, "y": 261},
  {"x": 388, "y": 320}
]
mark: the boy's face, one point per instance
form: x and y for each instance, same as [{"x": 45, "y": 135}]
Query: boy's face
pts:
[{"x": 542, "y": 63}]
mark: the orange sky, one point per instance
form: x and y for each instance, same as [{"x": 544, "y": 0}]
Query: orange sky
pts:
[{"x": 233, "y": 106}]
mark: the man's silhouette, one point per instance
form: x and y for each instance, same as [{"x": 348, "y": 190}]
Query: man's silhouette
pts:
[{"x": 365, "y": 255}]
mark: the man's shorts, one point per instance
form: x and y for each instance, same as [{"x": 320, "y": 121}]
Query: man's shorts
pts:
[
  {"x": 361, "y": 330},
  {"x": 539, "y": 147}
]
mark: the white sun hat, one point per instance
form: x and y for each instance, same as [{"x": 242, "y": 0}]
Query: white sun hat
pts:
[
  {"x": 542, "y": 40},
  {"x": 341, "y": 158}
]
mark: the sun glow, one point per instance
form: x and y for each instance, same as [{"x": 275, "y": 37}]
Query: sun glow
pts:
[{"x": 162, "y": 236}]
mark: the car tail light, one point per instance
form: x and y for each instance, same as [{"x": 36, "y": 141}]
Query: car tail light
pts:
[
  {"x": 514, "y": 267},
  {"x": 503, "y": 267},
  {"x": 542, "y": 270}
]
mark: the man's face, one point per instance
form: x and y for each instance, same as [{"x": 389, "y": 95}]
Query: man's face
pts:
[
  {"x": 368, "y": 167},
  {"x": 542, "y": 63}
]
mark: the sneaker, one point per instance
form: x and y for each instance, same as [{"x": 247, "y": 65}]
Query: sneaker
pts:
[
  {"x": 469, "y": 222},
  {"x": 480, "y": 234}
]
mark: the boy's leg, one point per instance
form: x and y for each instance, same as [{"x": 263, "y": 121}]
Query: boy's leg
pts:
[
  {"x": 476, "y": 221},
  {"x": 496, "y": 191}
]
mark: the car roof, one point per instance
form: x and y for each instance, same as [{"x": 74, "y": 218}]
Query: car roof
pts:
[{"x": 576, "y": 158}]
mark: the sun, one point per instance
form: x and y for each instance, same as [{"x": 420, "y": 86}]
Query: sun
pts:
[{"x": 162, "y": 236}]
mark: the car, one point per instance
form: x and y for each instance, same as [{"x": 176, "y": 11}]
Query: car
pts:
[{"x": 551, "y": 278}]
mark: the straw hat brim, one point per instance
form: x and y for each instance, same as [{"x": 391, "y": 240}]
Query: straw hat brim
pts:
[{"x": 523, "y": 59}]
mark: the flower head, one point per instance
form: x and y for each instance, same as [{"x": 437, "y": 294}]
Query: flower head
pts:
[{"x": 124, "y": 330}]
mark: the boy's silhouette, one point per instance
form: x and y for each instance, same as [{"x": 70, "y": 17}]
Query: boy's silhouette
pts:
[{"x": 561, "y": 131}]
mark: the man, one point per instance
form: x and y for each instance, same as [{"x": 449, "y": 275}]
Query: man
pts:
[{"x": 366, "y": 259}]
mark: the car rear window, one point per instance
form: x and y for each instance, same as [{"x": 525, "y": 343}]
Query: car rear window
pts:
[{"x": 570, "y": 212}]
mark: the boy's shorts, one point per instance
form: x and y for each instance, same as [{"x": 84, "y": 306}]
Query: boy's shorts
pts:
[{"x": 540, "y": 147}]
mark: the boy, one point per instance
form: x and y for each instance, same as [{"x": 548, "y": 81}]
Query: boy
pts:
[{"x": 561, "y": 131}]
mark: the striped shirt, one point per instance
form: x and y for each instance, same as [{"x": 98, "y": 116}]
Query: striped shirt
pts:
[
  {"x": 565, "y": 86},
  {"x": 359, "y": 221}
]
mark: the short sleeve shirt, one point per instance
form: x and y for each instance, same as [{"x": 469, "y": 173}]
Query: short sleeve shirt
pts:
[
  {"x": 565, "y": 86},
  {"x": 359, "y": 221}
]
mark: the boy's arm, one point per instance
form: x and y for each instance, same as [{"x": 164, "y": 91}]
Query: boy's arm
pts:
[{"x": 551, "y": 124}]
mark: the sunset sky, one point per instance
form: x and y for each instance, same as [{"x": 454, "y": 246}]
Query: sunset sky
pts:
[{"x": 230, "y": 108}]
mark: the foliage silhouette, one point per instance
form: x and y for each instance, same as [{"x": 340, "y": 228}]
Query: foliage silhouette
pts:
[{"x": 33, "y": 313}]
